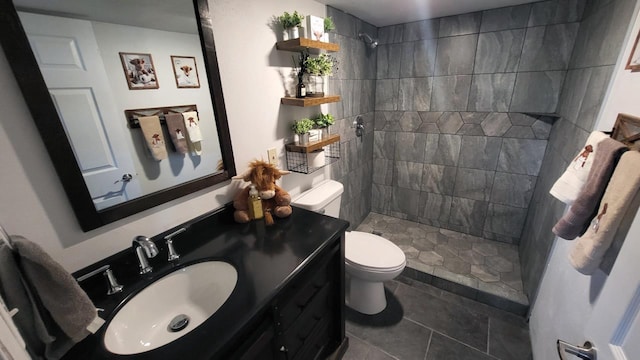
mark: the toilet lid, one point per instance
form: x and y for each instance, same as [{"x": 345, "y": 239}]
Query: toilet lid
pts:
[{"x": 372, "y": 251}]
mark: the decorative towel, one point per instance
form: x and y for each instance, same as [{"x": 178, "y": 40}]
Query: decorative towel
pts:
[
  {"x": 192, "y": 123},
  {"x": 178, "y": 132},
  {"x": 590, "y": 249},
  {"x": 152, "y": 132},
  {"x": 569, "y": 185},
  {"x": 575, "y": 221},
  {"x": 53, "y": 311}
]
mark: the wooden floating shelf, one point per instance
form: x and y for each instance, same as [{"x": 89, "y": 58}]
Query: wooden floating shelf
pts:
[
  {"x": 313, "y": 145},
  {"x": 301, "y": 44},
  {"x": 310, "y": 101}
]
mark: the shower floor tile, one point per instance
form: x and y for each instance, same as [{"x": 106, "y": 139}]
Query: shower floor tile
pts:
[{"x": 471, "y": 266}]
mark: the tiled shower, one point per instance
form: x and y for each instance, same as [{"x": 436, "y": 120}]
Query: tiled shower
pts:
[{"x": 460, "y": 113}]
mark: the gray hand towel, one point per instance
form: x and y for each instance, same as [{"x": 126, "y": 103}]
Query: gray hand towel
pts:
[
  {"x": 175, "y": 125},
  {"x": 575, "y": 222},
  {"x": 60, "y": 310}
]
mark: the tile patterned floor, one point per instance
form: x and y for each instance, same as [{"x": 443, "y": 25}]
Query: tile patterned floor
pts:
[
  {"x": 486, "y": 266},
  {"x": 422, "y": 322}
]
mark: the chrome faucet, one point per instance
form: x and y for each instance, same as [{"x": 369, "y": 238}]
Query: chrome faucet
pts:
[
  {"x": 114, "y": 287},
  {"x": 145, "y": 248}
]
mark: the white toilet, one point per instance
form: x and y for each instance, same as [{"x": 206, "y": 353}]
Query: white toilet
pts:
[{"x": 369, "y": 259}]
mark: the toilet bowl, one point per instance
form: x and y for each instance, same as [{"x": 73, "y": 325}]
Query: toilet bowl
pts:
[{"x": 370, "y": 260}]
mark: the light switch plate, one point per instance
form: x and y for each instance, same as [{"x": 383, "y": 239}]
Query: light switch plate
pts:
[{"x": 273, "y": 156}]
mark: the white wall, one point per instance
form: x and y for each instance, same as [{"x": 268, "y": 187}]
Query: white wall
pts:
[
  {"x": 33, "y": 203},
  {"x": 566, "y": 298},
  {"x": 177, "y": 168}
]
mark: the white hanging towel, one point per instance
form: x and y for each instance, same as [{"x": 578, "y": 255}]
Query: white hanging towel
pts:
[
  {"x": 192, "y": 123},
  {"x": 571, "y": 182}
]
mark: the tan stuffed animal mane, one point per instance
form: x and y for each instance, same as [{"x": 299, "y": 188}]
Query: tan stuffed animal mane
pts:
[{"x": 275, "y": 200}]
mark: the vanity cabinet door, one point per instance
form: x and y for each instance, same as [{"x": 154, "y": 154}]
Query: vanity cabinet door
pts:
[
  {"x": 308, "y": 313},
  {"x": 259, "y": 345}
]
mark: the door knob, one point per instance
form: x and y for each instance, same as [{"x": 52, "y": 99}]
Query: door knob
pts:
[
  {"x": 585, "y": 352},
  {"x": 125, "y": 178}
]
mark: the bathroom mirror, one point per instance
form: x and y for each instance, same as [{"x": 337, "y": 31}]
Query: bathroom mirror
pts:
[{"x": 109, "y": 174}]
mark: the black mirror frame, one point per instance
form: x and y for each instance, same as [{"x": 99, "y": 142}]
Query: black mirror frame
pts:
[{"x": 25, "y": 68}]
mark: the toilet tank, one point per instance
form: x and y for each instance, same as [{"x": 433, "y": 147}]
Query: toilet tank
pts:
[{"x": 323, "y": 198}]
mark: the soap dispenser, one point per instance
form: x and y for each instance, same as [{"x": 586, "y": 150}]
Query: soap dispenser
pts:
[{"x": 255, "y": 204}]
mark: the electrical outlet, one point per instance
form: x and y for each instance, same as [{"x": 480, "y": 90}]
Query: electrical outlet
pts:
[{"x": 273, "y": 156}]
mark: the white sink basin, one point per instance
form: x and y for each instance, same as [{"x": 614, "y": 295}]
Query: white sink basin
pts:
[{"x": 196, "y": 291}]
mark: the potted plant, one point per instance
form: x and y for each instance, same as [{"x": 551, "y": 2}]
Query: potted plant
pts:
[
  {"x": 291, "y": 23},
  {"x": 301, "y": 128},
  {"x": 318, "y": 67},
  {"x": 324, "y": 121},
  {"x": 329, "y": 25}
]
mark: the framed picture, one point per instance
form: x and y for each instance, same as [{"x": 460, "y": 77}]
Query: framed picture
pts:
[
  {"x": 184, "y": 68},
  {"x": 139, "y": 71},
  {"x": 633, "y": 63}
]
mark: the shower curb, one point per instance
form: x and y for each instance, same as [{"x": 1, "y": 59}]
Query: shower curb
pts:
[{"x": 484, "y": 297}]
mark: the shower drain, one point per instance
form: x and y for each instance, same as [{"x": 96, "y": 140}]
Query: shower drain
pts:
[{"x": 178, "y": 323}]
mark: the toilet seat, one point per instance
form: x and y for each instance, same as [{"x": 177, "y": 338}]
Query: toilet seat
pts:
[{"x": 372, "y": 253}]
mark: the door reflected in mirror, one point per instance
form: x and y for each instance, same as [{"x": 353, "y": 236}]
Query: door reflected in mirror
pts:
[{"x": 101, "y": 58}]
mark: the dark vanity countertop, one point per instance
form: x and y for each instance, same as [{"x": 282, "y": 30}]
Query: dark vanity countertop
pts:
[{"x": 266, "y": 258}]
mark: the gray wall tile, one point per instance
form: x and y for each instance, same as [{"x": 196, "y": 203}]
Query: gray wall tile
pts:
[
  {"x": 345, "y": 23},
  {"x": 450, "y": 93},
  {"x": 418, "y": 58},
  {"x": 420, "y": 30},
  {"x": 380, "y": 198},
  {"x": 491, "y": 92},
  {"x": 473, "y": 184},
  {"x": 438, "y": 179},
  {"x": 388, "y": 57},
  {"x": 473, "y": 117},
  {"x": 410, "y": 121},
  {"x": 537, "y": 91},
  {"x": 520, "y": 132},
  {"x": 390, "y": 34},
  {"x": 471, "y": 129},
  {"x": 449, "y": 122},
  {"x": 541, "y": 129},
  {"x": 468, "y": 214},
  {"x": 499, "y": 51},
  {"x": 387, "y": 94},
  {"x": 386, "y": 121},
  {"x": 505, "y": 220},
  {"x": 442, "y": 149},
  {"x": 521, "y": 156},
  {"x": 513, "y": 190},
  {"x": 556, "y": 11},
  {"x": 455, "y": 55},
  {"x": 602, "y": 35},
  {"x": 480, "y": 152},
  {"x": 512, "y": 17},
  {"x": 410, "y": 146},
  {"x": 434, "y": 207},
  {"x": 382, "y": 171},
  {"x": 408, "y": 175},
  {"x": 414, "y": 94},
  {"x": 460, "y": 24},
  {"x": 404, "y": 201},
  {"x": 496, "y": 124},
  {"x": 384, "y": 145},
  {"x": 548, "y": 47}
]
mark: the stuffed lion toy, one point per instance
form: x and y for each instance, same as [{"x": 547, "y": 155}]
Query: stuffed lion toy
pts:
[{"x": 275, "y": 200}]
